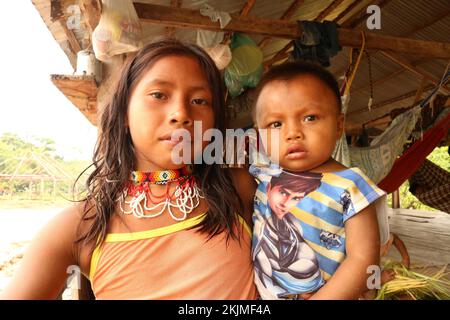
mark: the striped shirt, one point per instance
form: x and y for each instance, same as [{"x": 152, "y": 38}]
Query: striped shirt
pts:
[{"x": 300, "y": 251}]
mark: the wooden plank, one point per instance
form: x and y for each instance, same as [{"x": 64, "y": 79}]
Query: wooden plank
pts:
[
  {"x": 425, "y": 234},
  {"x": 81, "y": 91},
  {"x": 187, "y": 18}
]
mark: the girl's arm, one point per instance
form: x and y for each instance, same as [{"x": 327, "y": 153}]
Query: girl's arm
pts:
[
  {"x": 42, "y": 271},
  {"x": 362, "y": 250}
]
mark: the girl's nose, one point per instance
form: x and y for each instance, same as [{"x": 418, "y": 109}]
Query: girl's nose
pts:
[{"x": 180, "y": 115}]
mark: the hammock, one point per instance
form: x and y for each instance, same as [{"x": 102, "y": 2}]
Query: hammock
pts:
[
  {"x": 431, "y": 185},
  {"x": 412, "y": 158}
]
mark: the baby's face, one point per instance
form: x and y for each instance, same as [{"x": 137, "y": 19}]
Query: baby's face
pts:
[{"x": 303, "y": 114}]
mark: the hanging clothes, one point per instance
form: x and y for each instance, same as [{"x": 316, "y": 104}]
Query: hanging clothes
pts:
[
  {"x": 412, "y": 159},
  {"x": 431, "y": 185},
  {"x": 318, "y": 42}
]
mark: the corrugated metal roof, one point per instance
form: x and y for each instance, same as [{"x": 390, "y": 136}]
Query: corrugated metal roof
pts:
[{"x": 420, "y": 19}]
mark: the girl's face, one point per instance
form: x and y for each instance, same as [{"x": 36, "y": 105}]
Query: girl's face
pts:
[
  {"x": 171, "y": 94},
  {"x": 303, "y": 113}
]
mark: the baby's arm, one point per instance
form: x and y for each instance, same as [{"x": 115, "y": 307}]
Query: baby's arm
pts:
[
  {"x": 42, "y": 271},
  {"x": 362, "y": 250}
]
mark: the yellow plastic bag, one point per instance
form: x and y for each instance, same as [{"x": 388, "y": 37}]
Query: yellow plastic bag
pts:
[{"x": 119, "y": 30}]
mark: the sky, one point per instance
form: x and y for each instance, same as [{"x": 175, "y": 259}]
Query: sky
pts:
[{"x": 30, "y": 104}]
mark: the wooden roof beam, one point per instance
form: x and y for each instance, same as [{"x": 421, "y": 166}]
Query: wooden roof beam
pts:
[
  {"x": 390, "y": 101},
  {"x": 388, "y": 77},
  {"x": 92, "y": 10},
  {"x": 287, "y": 15},
  {"x": 430, "y": 22},
  {"x": 170, "y": 31},
  {"x": 346, "y": 10},
  {"x": 333, "y": 5},
  {"x": 187, "y": 18},
  {"x": 408, "y": 66},
  {"x": 247, "y": 7},
  {"x": 244, "y": 12},
  {"x": 71, "y": 38}
]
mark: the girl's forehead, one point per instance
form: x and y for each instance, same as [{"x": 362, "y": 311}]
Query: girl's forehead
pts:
[{"x": 173, "y": 69}]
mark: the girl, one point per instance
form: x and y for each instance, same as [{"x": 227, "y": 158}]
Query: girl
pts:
[
  {"x": 300, "y": 104},
  {"x": 150, "y": 228}
]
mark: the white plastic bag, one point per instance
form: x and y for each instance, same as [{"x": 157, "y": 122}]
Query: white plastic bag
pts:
[{"x": 119, "y": 30}]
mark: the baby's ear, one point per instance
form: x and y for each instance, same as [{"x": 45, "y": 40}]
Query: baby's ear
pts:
[{"x": 340, "y": 125}]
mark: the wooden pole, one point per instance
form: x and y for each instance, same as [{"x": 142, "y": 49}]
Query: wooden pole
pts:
[
  {"x": 396, "y": 199},
  {"x": 188, "y": 18}
]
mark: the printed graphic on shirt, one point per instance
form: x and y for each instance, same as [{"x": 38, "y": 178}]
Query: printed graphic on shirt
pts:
[
  {"x": 284, "y": 263},
  {"x": 299, "y": 226}
]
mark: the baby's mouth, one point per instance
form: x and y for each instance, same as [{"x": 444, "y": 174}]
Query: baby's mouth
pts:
[{"x": 295, "y": 152}]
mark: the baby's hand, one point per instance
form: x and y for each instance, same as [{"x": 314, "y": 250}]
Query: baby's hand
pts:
[{"x": 306, "y": 296}]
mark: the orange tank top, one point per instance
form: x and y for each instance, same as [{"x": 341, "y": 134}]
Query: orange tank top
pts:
[{"x": 173, "y": 262}]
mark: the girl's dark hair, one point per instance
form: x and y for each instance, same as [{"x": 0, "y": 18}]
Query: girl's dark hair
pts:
[
  {"x": 298, "y": 182},
  {"x": 293, "y": 69},
  {"x": 114, "y": 156}
]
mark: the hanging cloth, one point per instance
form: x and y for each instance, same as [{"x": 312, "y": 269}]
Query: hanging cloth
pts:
[{"x": 318, "y": 42}]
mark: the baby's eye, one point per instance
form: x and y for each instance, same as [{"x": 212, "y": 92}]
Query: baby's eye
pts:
[
  {"x": 200, "y": 101},
  {"x": 275, "y": 124},
  {"x": 158, "y": 95},
  {"x": 310, "y": 118}
]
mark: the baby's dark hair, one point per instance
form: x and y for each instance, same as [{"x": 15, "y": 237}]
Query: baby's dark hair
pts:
[{"x": 291, "y": 70}]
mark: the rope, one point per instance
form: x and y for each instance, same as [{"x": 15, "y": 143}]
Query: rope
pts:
[{"x": 358, "y": 61}]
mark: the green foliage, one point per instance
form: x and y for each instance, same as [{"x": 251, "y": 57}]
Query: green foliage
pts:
[{"x": 19, "y": 156}]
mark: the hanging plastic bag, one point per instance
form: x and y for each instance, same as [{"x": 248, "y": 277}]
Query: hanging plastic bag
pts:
[
  {"x": 119, "y": 30},
  {"x": 245, "y": 68}
]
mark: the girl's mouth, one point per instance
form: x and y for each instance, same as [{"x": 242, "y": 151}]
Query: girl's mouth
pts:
[{"x": 167, "y": 138}]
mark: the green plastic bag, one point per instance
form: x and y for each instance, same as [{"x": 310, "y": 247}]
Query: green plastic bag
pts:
[{"x": 245, "y": 68}]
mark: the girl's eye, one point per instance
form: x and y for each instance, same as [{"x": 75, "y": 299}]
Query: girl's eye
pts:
[
  {"x": 275, "y": 124},
  {"x": 200, "y": 102},
  {"x": 310, "y": 118},
  {"x": 158, "y": 95},
  {"x": 296, "y": 198}
]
